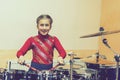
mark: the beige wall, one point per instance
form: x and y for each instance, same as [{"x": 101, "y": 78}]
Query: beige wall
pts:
[
  {"x": 110, "y": 20},
  {"x": 72, "y": 19}
]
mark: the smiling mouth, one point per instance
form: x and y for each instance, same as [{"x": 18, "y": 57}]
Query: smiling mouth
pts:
[{"x": 44, "y": 31}]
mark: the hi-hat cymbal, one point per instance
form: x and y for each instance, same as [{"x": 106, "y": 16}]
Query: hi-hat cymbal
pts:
[
  {"x": 99, "y": 61},
  {"x": 100, "y": 33}
]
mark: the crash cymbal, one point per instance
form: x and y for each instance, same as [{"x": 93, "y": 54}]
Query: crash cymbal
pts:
[
  {"x": 102, "y": 61},
  {"x": 100, "y": 33}
]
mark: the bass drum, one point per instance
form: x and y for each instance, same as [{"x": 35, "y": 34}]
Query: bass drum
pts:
[{"x": 108, "y": 73}]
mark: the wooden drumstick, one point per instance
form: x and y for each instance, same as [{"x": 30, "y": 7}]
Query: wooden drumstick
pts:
[
  {"x": 53, "y": 68},
  {"x": 30, "y": 67}
]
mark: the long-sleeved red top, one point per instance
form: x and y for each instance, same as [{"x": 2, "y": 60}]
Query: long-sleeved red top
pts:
[{"x": 42, "y": 47}]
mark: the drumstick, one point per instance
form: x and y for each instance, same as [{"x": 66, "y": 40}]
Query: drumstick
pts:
[
  {"x": 53, "y": 68},
  {"x": 30, "y": 67},
  {"x": 39, "y": 70}
]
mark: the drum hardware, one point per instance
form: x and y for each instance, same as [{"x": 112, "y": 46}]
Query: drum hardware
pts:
[
  {"x": 99, "y": 33},
  {"x": 116, "y": 56},
  {"x": 71, "y": 54},
  {"x": 97, "y": 55},
  {"x": 104, "y": 40},
  {"x": 85, "y": 74},
  {"x": 62, "y": 74},
  {"x": 101, "y": 61},
  {"x": 107, "y": 72},
  {"x": 94, "y": 63}
]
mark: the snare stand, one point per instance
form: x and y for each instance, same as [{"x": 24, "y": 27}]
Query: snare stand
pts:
[{"x": 71, "y": 65}]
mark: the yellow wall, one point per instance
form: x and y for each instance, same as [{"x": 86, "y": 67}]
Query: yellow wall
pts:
[{"x": 110, "y": 20}]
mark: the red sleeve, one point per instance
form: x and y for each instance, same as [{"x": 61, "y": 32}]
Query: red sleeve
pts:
[
  {"x": 27, "y": 45},
  {"x": 59, "y": 47}
]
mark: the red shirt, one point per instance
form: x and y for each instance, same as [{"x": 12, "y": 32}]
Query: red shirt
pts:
[{"x": 42, "y": 47}]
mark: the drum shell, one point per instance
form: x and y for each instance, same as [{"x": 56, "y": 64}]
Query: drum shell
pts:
[
  {"x": 108, "y": 72},
  {"x": 93, "y": 66},
  {"x": 15, "y": 75}
]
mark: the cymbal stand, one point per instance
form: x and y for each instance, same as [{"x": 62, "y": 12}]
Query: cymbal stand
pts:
[
  {"x": 116, "y": 56},
  {"x": 71, "y": 64}
]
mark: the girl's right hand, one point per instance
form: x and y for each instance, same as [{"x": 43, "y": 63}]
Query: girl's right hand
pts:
[{"x": 21, "y": 60}]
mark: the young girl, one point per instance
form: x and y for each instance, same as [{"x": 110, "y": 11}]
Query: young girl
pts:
[{"x": 42, "y": 46}]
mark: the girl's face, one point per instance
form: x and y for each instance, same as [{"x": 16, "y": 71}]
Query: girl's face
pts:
[{"x": 44, "y": 26}]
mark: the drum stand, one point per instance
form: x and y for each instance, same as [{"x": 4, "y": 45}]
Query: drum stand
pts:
[
  {"x": 71, "y": 65},
  {"x": 116, "y": 56}
]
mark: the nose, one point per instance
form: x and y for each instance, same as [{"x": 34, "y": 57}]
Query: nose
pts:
[{"x": 44, "y": 27}]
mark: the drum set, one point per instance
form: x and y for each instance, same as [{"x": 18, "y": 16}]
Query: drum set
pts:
[
  {"x": 82, "y": 69},
  {"x": 94, "y": 67},
  {"x": 56, "y": 73},
  {"x": 106, "y": 72}
]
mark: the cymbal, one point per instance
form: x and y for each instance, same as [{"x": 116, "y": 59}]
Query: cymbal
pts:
[
  {"x": 76, "y": 57},
  {"x": 99, "y": 61},
  {"x": 67, "y": 66},
  {"x": 100, "y": 33}
]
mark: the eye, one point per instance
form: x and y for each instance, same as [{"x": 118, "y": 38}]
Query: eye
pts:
[
  {"x": 44, "y": 24},
  {"x": 41, "y": 24}
]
